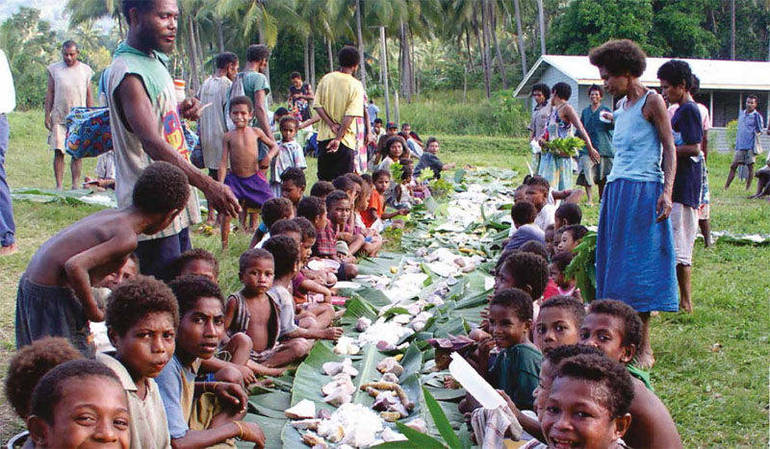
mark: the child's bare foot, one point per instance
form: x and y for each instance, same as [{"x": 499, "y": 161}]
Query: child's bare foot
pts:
[
  {"x": 8, "y": 250},
  {"x": 645, "y": 360}
]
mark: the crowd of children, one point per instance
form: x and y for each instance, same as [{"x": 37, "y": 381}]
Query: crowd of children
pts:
[{"x": 550, "y": 355}]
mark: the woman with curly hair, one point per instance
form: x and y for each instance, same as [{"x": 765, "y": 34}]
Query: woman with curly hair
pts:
[{"x": 635, "y": 260}]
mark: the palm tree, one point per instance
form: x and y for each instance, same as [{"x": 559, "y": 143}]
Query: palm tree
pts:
[
  {"x": 520, "y": 37},
  {"x": 360, "y": 40},
  {"x": 541, "y": 22},
  {"x": 81, "y": 11}
]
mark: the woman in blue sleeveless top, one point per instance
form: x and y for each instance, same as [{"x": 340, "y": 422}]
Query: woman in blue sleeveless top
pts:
[
  {"x": 635, "y": 261},
  {"x": 562, "y": 123}
]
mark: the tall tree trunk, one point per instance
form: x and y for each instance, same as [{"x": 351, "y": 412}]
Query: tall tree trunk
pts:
[
  {"x": 199, "y": 47},
  {"x": 220, "y": 34},
  {"x": 732, "y": 29},
  {"x": 312, "y": 61},
  {"x": 413, "y": 65},
  {"x": 362, "y": 64},
  {"x": 330, "y": 54},
  {"x": 468, "y": 47},
  {"x": 520, "y": 37},
  {"x": 384, "y": 71},
  {"x": 306, "y": 58},
  {"x": 120, "y": 27},
  {"x": 541, "y": 20},
  {"x": 498, "y": 53},
  {"x": 405, "y": 64},
  {"x": 261, "y": 40},
  {"x": 192, "y": 55},
  {"x": 482, "y": 49}
]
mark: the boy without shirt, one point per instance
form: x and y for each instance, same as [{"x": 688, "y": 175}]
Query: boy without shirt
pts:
[
  {"x": 55, "y": 296},
  {"x": 240, "y": 149},
  {"x": 252, "y": 311}
]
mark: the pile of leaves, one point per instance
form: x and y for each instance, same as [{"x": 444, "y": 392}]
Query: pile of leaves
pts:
[
  {"x": 564, "y": 147},
  {"x": 583, "y": 267}
]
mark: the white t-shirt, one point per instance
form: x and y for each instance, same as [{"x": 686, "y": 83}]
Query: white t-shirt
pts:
[{"x": 546, "y": 216}]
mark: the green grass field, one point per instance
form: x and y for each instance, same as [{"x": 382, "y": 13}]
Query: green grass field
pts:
[{"x": 712, "y": 365}]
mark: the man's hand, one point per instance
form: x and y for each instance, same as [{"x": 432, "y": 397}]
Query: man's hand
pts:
[
  {"x": 191, "y": 108},
  {"x": 333, "y": 145},
  {"x": 232, "y": 394},
  {"x": 594, "y": 155},
  {"x": 403, "y": 211},
  {"x": 663, "y": 208},
  {"x": 335, "y": 127},
  {"x": 332, "y": 333},
  {"x": 253, "y": 433},
  {"x": 221, "y": 199},
  {"x": 48, "y": 122}
]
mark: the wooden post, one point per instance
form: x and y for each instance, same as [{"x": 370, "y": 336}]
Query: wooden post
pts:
[{"x": 711, "y": 106}]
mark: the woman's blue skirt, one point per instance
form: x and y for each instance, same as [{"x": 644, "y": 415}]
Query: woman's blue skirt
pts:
[{"x": 635, "y": 260}]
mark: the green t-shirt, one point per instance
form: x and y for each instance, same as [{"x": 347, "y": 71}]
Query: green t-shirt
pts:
[
  {"x": 516, "y": 371},
  {"x": 254, "y": 81},
  {"x": 599, "y": 131}
]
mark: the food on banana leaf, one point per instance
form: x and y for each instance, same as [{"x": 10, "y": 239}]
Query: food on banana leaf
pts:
[
  {"x": 363, "y": 324},
  {"x": 314, "y": 441},
  {"x": 303, "y": 409},
  {"x": 334, "y": 368},
  {"x": 389, "y": 435},
  {"x": 346, "y": 346},
  {"x": 390, "y": 365}
]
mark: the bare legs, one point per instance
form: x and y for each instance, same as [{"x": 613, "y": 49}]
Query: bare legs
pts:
[
  {"x": 731, "y": 175},
  {"x": 76, "y": 166},
  {"x": 645, "y": 358},
  {"x": 683, "y": 275}
]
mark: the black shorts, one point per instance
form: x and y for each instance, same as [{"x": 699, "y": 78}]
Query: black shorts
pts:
[{"x": 337, "y": 163}]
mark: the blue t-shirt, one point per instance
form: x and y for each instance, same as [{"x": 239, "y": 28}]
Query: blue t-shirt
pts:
[
  {"x": 748, "y": 126},
  {"x": 170, "y": 385},
  {"x": 688, "y": 130}
]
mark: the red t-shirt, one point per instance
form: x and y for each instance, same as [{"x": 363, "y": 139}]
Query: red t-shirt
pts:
[
  {"x": 551, "y": 289},
  {"x": 377, "y": 203}
]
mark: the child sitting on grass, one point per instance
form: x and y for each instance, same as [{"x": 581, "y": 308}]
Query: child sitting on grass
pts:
[
  {"x": 201, "y": 414},
  {"x": 78, "y": 404},
  {"x": 429, "y": 159},
  {"x": 290, "y": 154},
  {"x": 29, "y": 365},
  {"x": 55, "y": 296},
  {"x": 325, "y": 277},
  {"x": 523, "y": 214},
  {"x": 516, "y": 368},
  {"x": 616, "y": 329},
  {"x": 588, "y": 405},
  {"x": 522, "y": 270},
  {"x": 558, "y": 323},
  {"x": 198, "y": 262},
  {"x": 245, "y": 177},
  {"x": 338, "y": 207},
  {"x": 142, "y": 317},
  {"x": 293, "y": 185},
  {"x": 253, "y": 313},
  {"x": 537, "y": 194},
  {"x": 318, "y": 314},
  {"x": 376, "y": 209},
  {"x": 285, "y": 251},
  {"x": 314, "y": 210},
  {"x": 563, "y": 286},
  {"x": 567, "y": 214},
  {"x": 394, "y": 148},
  {"x": 401, "y": 196},
  {"x": 273, "y": 210},
  {"x": 571, "y": 236},
  {"x": 321, "y": 189}
]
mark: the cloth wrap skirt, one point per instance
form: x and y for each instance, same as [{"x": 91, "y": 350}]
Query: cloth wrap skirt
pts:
[{"x": 635, "y": 260}]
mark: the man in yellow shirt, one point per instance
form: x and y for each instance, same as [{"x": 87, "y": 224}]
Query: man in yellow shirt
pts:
[{"x": 339, "y": 100}]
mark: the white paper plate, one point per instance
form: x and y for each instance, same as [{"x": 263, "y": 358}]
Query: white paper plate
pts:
[{"x": 321, "y": 264}]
